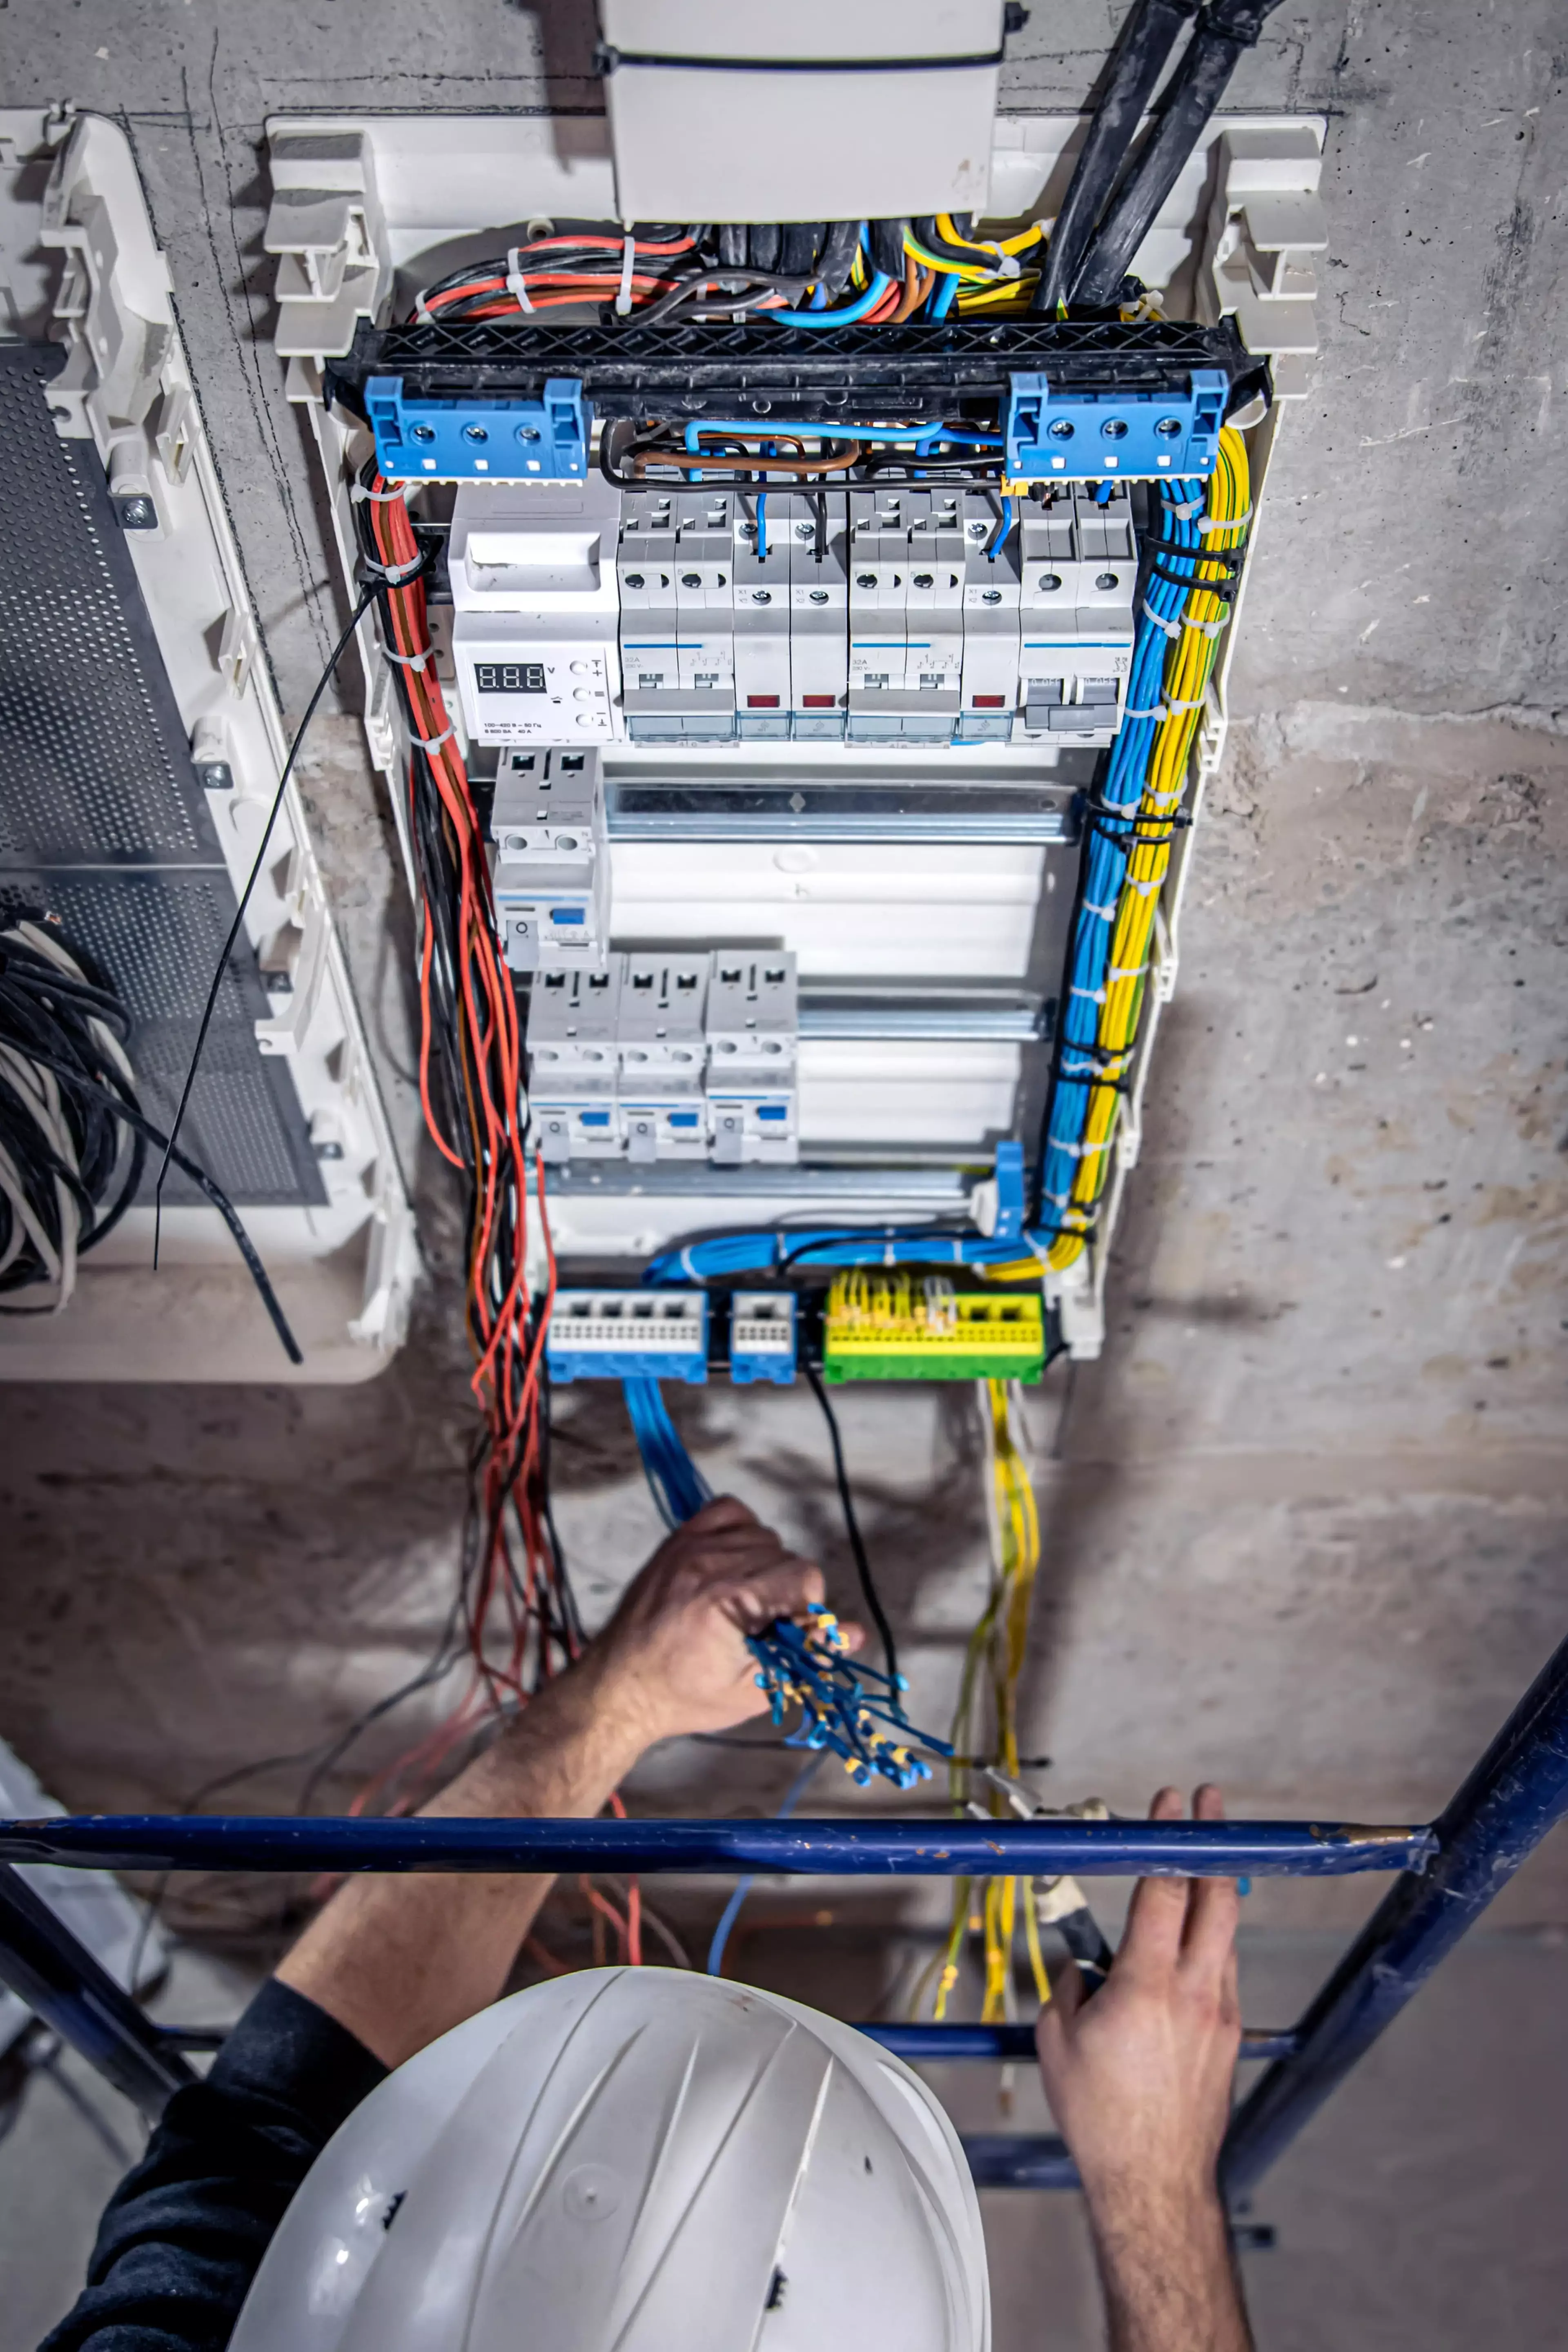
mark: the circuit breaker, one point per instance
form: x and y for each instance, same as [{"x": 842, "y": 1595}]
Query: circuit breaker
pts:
[
  {"x": 550, "y": 877},
  {"x": 753, "y": 1042},
  {"x": 532, "y": 567},
  {"x": 661, "y": 1050},
  {"x": 573, "y": 1020},
  {"x": 1080, "y": 568}
]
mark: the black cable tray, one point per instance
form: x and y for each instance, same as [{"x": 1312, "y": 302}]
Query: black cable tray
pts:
[{"x": 792, "y": 373}]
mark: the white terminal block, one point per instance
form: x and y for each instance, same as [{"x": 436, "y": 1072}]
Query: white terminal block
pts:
[
  {"x": 534, "y": 640},
  {"x": 573, "y": 1020},
  {"x": 761, "y": 543},
  {"x": 989, "y": 693},
  {"x": 551, "y": 876},
  {"x": 819, "y": 616},
  {"x": 754, "y": 1047},
  {"x": 1079, "y": 570},
  {"x": 662, "y": 1048}
]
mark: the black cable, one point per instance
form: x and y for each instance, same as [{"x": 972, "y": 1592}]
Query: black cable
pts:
[
  {"x": 764, "y": 239},
  {"x": 48, "y": 1025},
  {"x": 852, "y": 1527},
  {"x": 1140, "y": 57},
  {"x": 837, "y": 256},
  {"x": 886, "y": 238},
  {"x": 799, "y": 246},
  {"x": 1199, "y": 83},
  {"x": 361, "y": 609}
]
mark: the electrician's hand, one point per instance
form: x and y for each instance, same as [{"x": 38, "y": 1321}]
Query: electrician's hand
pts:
[
  {"x": 674, "y": 1658},
  {"x": 1139, "y": 2078}
]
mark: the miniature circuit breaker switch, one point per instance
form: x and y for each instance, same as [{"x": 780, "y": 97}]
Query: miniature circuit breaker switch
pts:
[
  {"x": 573, "y": 1017},
  {"x": 618, "y": 1335},
  {"x": 533, "y": 568},
  {"x": 551, "y": 878},
  {"x": 754, "y": 1044},
  {"x": 662, "y": 1049}
]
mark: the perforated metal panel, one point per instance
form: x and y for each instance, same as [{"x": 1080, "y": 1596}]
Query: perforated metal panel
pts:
[{"x": 102, "y": 822}]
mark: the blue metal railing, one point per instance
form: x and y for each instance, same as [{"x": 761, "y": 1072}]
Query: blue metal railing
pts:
[{"x": 1448, "y": 1873}]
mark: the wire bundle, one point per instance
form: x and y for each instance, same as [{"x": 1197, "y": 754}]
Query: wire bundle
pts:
[
  {"x": 73, "y": 1135},
  {"x": 1186, "y": 606},
  {"x": 678, "y": 1485},
  {"x": 852, "y": 1710},
  {"x": 519, "y": 1617},
  {"x": 986, "y": 1717}
]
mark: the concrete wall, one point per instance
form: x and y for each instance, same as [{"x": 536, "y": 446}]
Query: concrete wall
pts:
[{"x": 1305, "y": 1522}]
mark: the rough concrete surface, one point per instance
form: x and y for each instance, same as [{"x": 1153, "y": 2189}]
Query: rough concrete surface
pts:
[{"x": 1305, "y": 1521}]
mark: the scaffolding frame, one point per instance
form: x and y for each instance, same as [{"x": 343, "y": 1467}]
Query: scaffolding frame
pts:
[{"x": 1447, "y": 1874}]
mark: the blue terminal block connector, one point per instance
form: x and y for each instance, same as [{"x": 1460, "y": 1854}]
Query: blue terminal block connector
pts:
[
  {"x": 763, "y": 1336},
  {"x": 478, "y": 439},
  {"x": 1084, "y": 435},
  {"x": 619, "y": 1335}
]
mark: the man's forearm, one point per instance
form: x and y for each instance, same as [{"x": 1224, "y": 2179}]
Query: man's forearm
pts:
[
  {"x": 399, "y": 1961},
  {"x": 1168, "y": 2272}
]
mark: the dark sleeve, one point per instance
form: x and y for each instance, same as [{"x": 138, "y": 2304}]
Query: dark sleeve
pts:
[{"x": 183, "y": 2234}]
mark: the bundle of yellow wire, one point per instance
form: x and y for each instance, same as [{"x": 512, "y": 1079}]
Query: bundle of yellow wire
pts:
[{"x": 1188, "y": 665}]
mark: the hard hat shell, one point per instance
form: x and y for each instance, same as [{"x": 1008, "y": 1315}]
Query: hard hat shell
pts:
[{"x": 634, "y": 2160}]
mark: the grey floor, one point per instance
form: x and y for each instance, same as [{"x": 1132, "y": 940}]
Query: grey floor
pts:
[{"x": 1422, "y": 2212}]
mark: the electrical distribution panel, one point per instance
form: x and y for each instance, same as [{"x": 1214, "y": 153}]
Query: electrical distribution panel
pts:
[{"x": 790, "y": 752}]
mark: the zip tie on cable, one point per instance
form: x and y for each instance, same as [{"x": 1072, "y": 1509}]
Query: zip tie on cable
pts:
[
  {"x": 436, "y": 741},
  {"x": 1089, "y": 995},
  {"x": 1187, "y": 508},
  {"x": 393, "y": 572},
  {"x": 1172, "y": 629},
  {"x": 1106, "y": 914},
  {"x": 1208, "y": 628},
  {"x": 628, "y": 257},
  {"x": 361, "y": 496},
  {"x": 514, "y": 280},
  {"x": 1225, "y": 522},
  {"x": 1125, "y": 972},
  {"x": 1175, "y": 704},
  {"x": 1160, "y": 711},
  {"x": 425, "y": 316},
  {"x": 404, "y": 661}
]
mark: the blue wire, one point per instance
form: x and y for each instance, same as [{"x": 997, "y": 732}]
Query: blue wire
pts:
[
  {"x": 946, "y": 294},
  {"x": 843, "y": 318},
  {"x": 762, "y": 526},
  {"x": 731, "y": 1911},
  {"x": 678, "y": 1486},
  {"x": 1009, "y": 515}
]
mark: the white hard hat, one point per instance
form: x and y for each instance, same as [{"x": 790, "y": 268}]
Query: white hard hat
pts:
[{"x": 634, "y": 2160}]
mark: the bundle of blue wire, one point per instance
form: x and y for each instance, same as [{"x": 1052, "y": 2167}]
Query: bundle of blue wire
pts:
[
  {"x": 678, "y": 1488},
  {"x": 773, "y": 1251},
  {"x": 1111, "y": 835}
]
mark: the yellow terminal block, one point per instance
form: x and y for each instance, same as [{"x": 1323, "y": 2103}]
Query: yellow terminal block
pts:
[{"x": 891, "y": 1328}]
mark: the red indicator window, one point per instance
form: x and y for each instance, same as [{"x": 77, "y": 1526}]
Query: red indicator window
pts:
[
  {"x": 762, "y": 701},
  {"x": 819, "y": 702},
  {"x": 989, "y": 701}
]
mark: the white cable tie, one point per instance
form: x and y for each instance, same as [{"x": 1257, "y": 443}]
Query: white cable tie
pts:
[
  {"x": 404, "y": 661},
  {"x": 1172, "y": 629},
  {"x": 1175, "y": 704},
  {"x": 1225, "y": 522},
  {"x": 1208, "y": 628},
  {"x": 685, "y": 1261},
  {"x": 624, "y": 298},
  {"x": 436, "y": 741},
  {"x": 1159, "y": 711},
  {"x": 393, "y": 572},
  {"x": 1089, "y": 995},
  {"x": 362, "y": 496},
  {"x": 1187, "y": 508},
  {"x": 425, "y": 316},
  {"x": 1144, "y": 889},
  {"x": 1125, "y": 972},
  {"x": 514, "y": 279},
  {"x": 1106, "y": 914}
]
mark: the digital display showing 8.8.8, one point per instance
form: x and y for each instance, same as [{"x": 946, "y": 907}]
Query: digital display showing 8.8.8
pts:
[{"x": 508, "y": 677}]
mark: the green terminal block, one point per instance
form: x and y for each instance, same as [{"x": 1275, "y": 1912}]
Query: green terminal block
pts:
[{"x": 877, "y": 1329}]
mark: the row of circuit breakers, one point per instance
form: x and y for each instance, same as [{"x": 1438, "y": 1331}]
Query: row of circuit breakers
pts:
[{"x": 586, "y": 614}]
